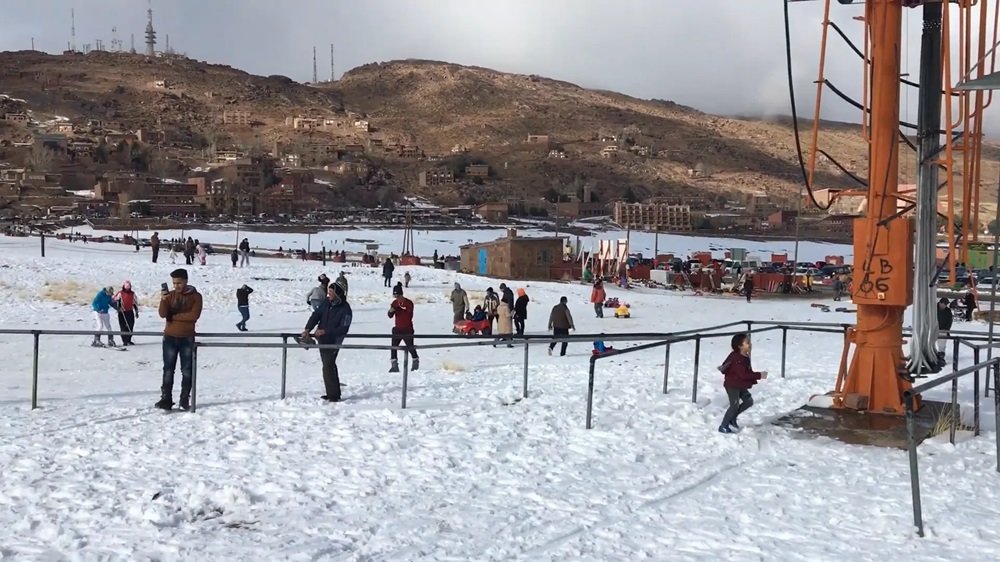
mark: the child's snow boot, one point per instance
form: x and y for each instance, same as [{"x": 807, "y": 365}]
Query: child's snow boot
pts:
[
  {"x": 416, "y": 363},
  {"x": 395, "y": 366}
]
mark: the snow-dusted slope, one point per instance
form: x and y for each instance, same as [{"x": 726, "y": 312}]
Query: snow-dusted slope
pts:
[{"x": 466, "y": 472}]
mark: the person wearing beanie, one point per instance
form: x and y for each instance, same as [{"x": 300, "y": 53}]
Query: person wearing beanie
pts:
[
  {"x": 401, "y": 310},
  {"x": 459, "y": 303},
  {"x": 387, "y": 269},
  {"x": 317, "y": 295},
  {"x": 100, "y": 305},
  {"x": 520, "y": 311},
  {"x": 343, "y": 283},
  {"x": 332, "y": 321},
  {"x": 181, "y": 308},
  {"x": 128, "y": 311}
]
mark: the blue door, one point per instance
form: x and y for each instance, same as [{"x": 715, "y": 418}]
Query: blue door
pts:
[{"x": 482, "y": 261}]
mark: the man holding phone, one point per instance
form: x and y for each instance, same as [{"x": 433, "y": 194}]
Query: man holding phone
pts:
[{"x": 181, "y": 308}]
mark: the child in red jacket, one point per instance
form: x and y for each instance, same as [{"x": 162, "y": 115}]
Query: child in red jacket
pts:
[{"x": 740, "y": 377}]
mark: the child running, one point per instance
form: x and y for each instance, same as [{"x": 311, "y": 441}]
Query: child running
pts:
[{"x": 740, "y": 377}]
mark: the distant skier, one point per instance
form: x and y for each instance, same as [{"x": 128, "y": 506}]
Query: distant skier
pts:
[
  {"x": 100, "y": 305},
  {"x": 459, "y": 303},
  {"x": 181, "y": 308},
  {"x": 520, "y": 311},
  {"x": 243, "y": 305},
  {"x": 401, "y": 310},
  {"x": 332, "y": 321},
  {"x": 597, "y": 296},
  {"x": 387, "y": 269},
  {"x": 128, "y": 311},
  {"x": 560, "y": 322},
  {"x": 154, "y": 244},
  {"x": 245, "y": 253},
  {"x": 740, "y": 377}
]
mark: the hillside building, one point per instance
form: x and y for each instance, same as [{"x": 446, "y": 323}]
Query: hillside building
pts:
[
  {"x": 477, "y": 171},
  {"x": 436, "y": 177},
  {"x": 241, "y": 118},
  {"x": 653, "y": 216}
]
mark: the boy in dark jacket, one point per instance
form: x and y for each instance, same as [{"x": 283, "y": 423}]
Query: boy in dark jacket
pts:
[
  {"x": 740, "y": 377},
  {"x": 332, "y": 321},
  {"x": 520, "y": 311},
  {"x": 243, "y": 305}
]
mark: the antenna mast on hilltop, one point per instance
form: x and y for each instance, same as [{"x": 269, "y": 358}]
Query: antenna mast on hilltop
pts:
[
  {"x": 150, "y": 33},
  {"x": 332, "y": 74},
  {"x": 132, "y": 50},
  {"x": 315, "y": 76},
  {"x": 72, "y": 29}
]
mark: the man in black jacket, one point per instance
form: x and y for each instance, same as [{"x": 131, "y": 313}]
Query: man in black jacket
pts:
[
  {"x": 332, "y": 321},
  {"x": 945, "y": 319},
  {"x": 506, "y": 295},
  {"x": 387, "y": 269},
  {"x": 243, "y": 305}
]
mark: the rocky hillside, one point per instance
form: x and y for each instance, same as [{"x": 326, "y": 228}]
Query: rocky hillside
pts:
[{"x": 454, "y": 115}]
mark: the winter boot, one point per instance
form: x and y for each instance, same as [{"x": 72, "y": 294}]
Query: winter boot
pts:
[
  {"x": 416, "y": 363},
  {"x": 111, "y": 342},
  {"x": 96, "y": 342},
  {"x": 185, "y": 403},
  {"x": 941, "y": 360},
  {"x": 395, "y": 366},
  {"x": 165, "y": 403}
]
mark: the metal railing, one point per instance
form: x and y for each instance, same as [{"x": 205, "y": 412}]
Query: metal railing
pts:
[{"x": 909, "y": 398}]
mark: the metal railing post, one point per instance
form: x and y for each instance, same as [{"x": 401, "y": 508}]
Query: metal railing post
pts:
[
  {"x": 524, "y": 387},
  {"x": 284, "y": 365},
  {"x": 996, "y": 407},
  {"x": 194, "y": 376},
  {"x": 784, "y": 348},
  {"x": 749, "y": 326},
  {"x": 697, "y": 357},
  {"x": 954, "y": 411},
  {"x": 666, "y": 367},
  {"x": 406, "y": 375},
  {"x": 975, "y": 400},
  {"x": 954, "y": 354},
  {"x": 590, "y": 391},
  {"x": 34, "y": 371},
  {"x": 918, "y": 519}
]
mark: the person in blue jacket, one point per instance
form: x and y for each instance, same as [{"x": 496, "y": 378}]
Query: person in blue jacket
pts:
[{"x": 100, "y": 305}]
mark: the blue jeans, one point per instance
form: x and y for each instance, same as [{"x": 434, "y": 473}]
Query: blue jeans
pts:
[
  {"x": 245, "y": 312},
  {"x": 172, "y": 347}
]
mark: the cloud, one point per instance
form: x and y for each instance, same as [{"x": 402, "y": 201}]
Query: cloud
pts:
[{"x": 721, "y": 56}]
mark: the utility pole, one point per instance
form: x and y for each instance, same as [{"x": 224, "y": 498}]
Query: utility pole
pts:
[
  {"x": 315, "y": 76},
  {"x": 332, "y": 74},
  {"x": 72, "y": 29}
]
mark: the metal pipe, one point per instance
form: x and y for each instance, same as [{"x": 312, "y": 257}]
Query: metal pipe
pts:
[
  {"x": 911, "y": 443},
  {"x": 784, "y": 349},
  {"x": 194, "y": 377},
  {"x": 975, "y": 400},
  {"x": 996, "y": 409},
  {"x": 524, "y": 386},
  {"x": 590, "y": 393},
  {"x": 666, "y": 367},
  {"x": 284, "y": 365},
  {"x": 697, "y": 356},
  {"x": 406, "y": 376},
  {"x": 954, "y": 411},
  {"x": 34, "y": 371}
]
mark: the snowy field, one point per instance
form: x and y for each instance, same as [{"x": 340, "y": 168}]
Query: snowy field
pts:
[
  {"x": 447, "y": 242},
  {"x": 467, "y": 472}
]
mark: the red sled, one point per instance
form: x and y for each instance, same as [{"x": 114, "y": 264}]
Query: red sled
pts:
[{"x": 469, "y": 328}]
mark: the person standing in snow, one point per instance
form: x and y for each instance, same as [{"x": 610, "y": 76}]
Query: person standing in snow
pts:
[
  {"x": 234, "y": 257},
  {"x": 969, "y": 300},
  {"x": 100, "y": 305},
  {"x": 317, "y": 295},
  {"x": 560, "y": 322},
  {"x": 748, "y": 286},
  {"x": 181, "y": 308},
  {"x": 520, "y": 311},
  {"x": 243, "y": 305},
  {"x": 200, "y": 250},
  {"x": 387, "y": 269},
  {"x": 598, "y": 296},
  {"x": 505, "y": 326},
  {"x": 401, "y": 310},
  {"x": 154, "y": 243},
  {"x": 173, "y": 252},
  {"x": 459, "y": 303},
  {"x": 189, "y": 251},
  {"x": 406, "y": 279},
  {"x": 491, "y": 303},
  {"x": 245, "y": 253},
  {"x": 332, "y": 321},
  {"x": 740, "y": 377},
  {"x": 945, "y": 320},
  {"x": 507, "y": 296},
  {"x": 128, "y": 311}
]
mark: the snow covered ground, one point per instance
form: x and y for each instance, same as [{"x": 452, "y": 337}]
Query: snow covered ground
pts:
[
  {"x": 447, "y": 242},
  {"x": 467, "y": 472}
]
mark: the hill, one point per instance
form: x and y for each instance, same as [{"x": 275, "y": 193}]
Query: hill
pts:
[{"x": 384, "y": 123}]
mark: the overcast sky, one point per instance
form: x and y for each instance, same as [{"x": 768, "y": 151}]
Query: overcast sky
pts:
[{"x": 720, "y": 56}]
